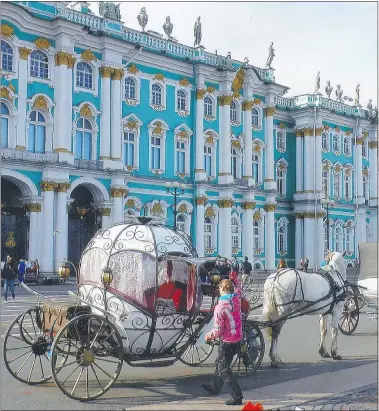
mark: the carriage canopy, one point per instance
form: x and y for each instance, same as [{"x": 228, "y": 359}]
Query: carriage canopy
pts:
[{"x": 368, "y": 260}]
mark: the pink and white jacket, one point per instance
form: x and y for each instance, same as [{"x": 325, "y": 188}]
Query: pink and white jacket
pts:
[{"x": 227, "y": 315}]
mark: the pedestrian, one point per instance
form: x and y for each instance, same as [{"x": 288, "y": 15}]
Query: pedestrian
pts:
[
  {"x": 282, "y": 264},
  {"x": 246, "y": 270},
  {"x": 9, "y": 274},
  {"x": 305, "y": 264},
  {"x": 227, "y": 328},
  {"x": 21, "y": 270}
]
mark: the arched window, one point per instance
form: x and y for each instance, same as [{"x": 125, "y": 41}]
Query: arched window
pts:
[
  {"x": 37, "y": 132},
  {"x": 84, "y": 76},
  {"x": 207, "y": 233},
  {"x": 180, "y": 157},
  {"x": 181, "y": 222},
  {"x": 39, "y": 65},
  {"x": 337, "y": 185},
  {"x": 349, "y": 240},
  {"x": 181, "y": 99},
  {"x": 324, "y": 141},
  {"x": 256, "y": 235},
  {"x": 256, "y": 164},
  {"x": 155, "y": 153},
  {"x": 234, "y": 162},
  {"x": 281, "y": 179},
  {"x": 336, "y": 143},
  {"x": 346, "y": 146},
  {"x": 255, "y": 117},
  {"x": 281, "y": 238},
  {"x": 4, "y": 125},
  {"x": 364, "y": 149},
  {"x": 156, "y": 98},
  {"x": 129, "y": 149},
  {"x": 83, "y": 139},
  {"x": 130, "y": 88},
  {"x": 339, "y": 240},
  {"x": 208, "y": 154},
  {"x": 233, "y": 112},
  {"x": 6, "y": 56},
  {"x": 325, "y": 182},
  {"x": 257, "y": 266},
  {"x": 235, "y": 233},
  {"x": 280, "y": 143},
  {"x": 347, "y": 180},
  {"x": 208, "y": 107}
]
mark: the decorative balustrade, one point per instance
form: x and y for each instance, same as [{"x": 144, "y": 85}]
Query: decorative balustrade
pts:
[
  {"x": 284, "y": 102},
  {"x": 13, "y": 154},
  {"x": 89, "y": 20},
  {"x": 242, "y": 182},
  {"x": 89, "y": 164}
]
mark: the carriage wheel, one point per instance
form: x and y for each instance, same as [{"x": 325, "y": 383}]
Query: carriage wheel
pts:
[
  {"x": 198, "y": 350},
  {"x": 251, "y": 291},
  {"x": 26, "y": 348},
  {"x": 350, "y": 315},
  {"x": 252, "y": 350},
  {"x": 94, "y": 351}
]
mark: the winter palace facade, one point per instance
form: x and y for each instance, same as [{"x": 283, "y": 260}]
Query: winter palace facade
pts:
[{"x": 96, "y": 118}]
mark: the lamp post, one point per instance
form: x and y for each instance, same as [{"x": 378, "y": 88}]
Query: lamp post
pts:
[
  {"x": 328, "y": 203},
  {"x": 173, "y": 188}
]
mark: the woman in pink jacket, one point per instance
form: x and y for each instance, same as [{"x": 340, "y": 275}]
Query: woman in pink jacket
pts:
[{"x": 227, "y": 328}]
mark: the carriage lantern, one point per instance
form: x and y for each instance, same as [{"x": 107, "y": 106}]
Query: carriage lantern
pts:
[
  {"x": 107, "y": 276},
  {"x": 64, "y": 269},
  {"x": 214, "y": 276}
]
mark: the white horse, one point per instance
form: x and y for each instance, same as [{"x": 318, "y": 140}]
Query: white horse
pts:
[{"x": 289, "y": 291}]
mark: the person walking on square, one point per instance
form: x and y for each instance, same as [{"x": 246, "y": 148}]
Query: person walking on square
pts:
[
  {"x": 246, "y": 270},
  {"x": 9, "y": 274},
  {"x": 227, "y": 328},
  {"x": 21, "y": 270}
]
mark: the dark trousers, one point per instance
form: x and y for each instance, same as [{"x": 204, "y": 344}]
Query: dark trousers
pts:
[{"x": 223, "y": 373}]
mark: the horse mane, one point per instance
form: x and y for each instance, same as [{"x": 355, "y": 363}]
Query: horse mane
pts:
[{"x": 337, "y": 263}]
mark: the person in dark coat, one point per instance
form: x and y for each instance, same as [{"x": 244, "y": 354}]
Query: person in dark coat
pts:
[{"x": 9, "y": 274}]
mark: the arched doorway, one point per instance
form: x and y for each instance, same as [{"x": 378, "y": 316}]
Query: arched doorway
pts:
[
  {"x": 83, "y": 222},
  {"x": 14, "y": 222}
]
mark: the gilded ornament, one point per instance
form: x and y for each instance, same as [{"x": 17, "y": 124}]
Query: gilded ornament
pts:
[
  {"x": 247, "y": 105},
  {"x": 86, "y": 111},
  {"x": 298, "y": 133},
  {"x": 40, "y": 102},
  {"x": 63, "y": 187},
  {"x": 281, "y": 166},
  {"x": 201, "y": 200},
  {"x": 309, "y": 214},
  {"x": 319, "y": 131},
  {"x": 105, "y": 211},
  {"x": 118, "y": 191},
  {"x": 270, "y": 207},
  {"x": 257, "y": 101},
  {"x": 269, "y": 111},
  {"x": 200, "y": 93},
  {"x": 359, "y": 141},
  {"x": 347, "y": 172},
  {"x": 337, "y": 168},
  {"x": 24, "y": 53},
  {"x": 131, "y": 125},
  {"x": 106, "y": 71},
  {"x": 5, "y": 93},
  {"x": 11, "y": 87},
  {"x": 157, "y": 208},
  {"x": 299, "y": 215},
  {"x": 326, "y": 127},
  {"x": 210, "y": 212},
  {"x": 183, "y": 134},
  {"x": 209, "y": 251},
  {"x": 325, "y": 167},
  {"x": 33, "y": 207},
  {"x": 257, "y": 148},
  {"x": 337, "y": 129},
  {"x": 87, "y": 55},
  {"x": 365, "y": 172},
  {"x": 248, "y": 205},
  {"x": 373, "y": 144},
  {"x": 10, "y": 242},
  {"x": 235, "y": 251},
  {"x": 6, "y": 30},
  {"x": 61, "y": 58},
  {"x": 365, "y": 134},
  {"x": 130, "y": 203},
  {"x": 211, "y": 89},
  {"x": 307, "y": 132},
  {"x": 48, "y": 185},
  {"x": 348, "y": 133},
  {"x": 159, "y": 77},
  {"x": 71, "y": 61},
  {"x": 117, "y": 74},
  {"x": 157, "y": 130},
  {"x": 183, "y": 208},
  {"x": 257, "y": 216},
  {"x": 282, "y": 126},
  {"x": 130, "y": 168},
  {"x": 42, "y": 43},
  {"x": 184, "y": 82},
  {"x": 236, "y": 144},
  {"x": 210, "y": 140},
  {"x": 225, "y": 203},
  {"x": 237, "y": 83},
  {"x": 132, "y": 69},
  {"x": 225, "y": 100}
]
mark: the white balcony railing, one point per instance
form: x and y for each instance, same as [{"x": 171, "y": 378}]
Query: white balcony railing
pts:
[{"x": 13, "y": 154}]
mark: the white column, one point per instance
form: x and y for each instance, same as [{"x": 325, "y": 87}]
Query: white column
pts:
[
  {"x": 225, "y": 228},
  {"x": 199, "y": 171},
  {"x": 22, "y": 96},
  {"x": 270, "y": 235},
  {"x": 200, "y": 203},
  {"x": 319, "y": 222},
  {"x": 247, "y": 230},
  {"x": 47, "y": 257},
  {"x": 298, "y": 239},
  {"x": 105, "y": 118},
  {"x": 248, "y": 132},
  {"x": 361, "y": 225},
  {"x": 269, "y": 140},
  {"x": 373, "y": 157},
  {"x": 308, "y": 160},
  {"x": 299, "y": 162},
  {"x": 106, "y": 219},
  {"x": 116, "y": 135},
  {"x": 374, "y": 226},
  {"x": 118, "y": 204},
  {"x": 318, "y": 176},
  {"x": 358, "y": 170},
  {"x": 34, "y": 210},
  {"x": 309, "y": 238},
  {"x": 224, "y": 145},
  {"x": 61, "y": 92},
  {"x": 61, "y": 225}
]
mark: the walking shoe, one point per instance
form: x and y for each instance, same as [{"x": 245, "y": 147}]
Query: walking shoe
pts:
[
  {"x": 234, "y": 401},
  {"x": 211, "y": 389},
  {"x": 4, "y": 301}
]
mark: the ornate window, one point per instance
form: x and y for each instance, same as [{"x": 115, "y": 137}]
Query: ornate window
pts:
[
  {"x": 339, "y": 239},
  {"x": 281, "y": 239},
  {"x": 181, "y": 222},
  {"x": 346, "y": 146},
  {"x": 281, "y": 173},
  {"x": 325, "y": 142},
  {"x": 280, "y": 142},
  {"x": 181, "y": 100},
  {"x": 129, "y": 148},
  {"x": 130, "y": 88},
  {"x": 208, "y": 106},
  {"x": 325, "y": 182},
  {"x": 208, "y": 243},
  {"x": 180, "y": 157},
  {"x": 6, "y": 56},
  {"x": 236, "y": 159},
  {"x": 233, "y": 112},
  {"x": 364, "y": 148},
  {"x": 336, "y": 144},
  {"x": 255, "y": 117},
  {"x": 236, "y": 233},
  {"x": 256, "y": 235},
  {"x": 84, "y": 75},
  {"x": 155, "y": 152},
  {"x": 37, "y": 132},
  {"x": 282, "y": 236},
  {"x": 83, "y": 139},
  {"x": 337, "y": 184},
  {"x": 39, "y": 64},
  {"x": 347, "y": 183},
  {"x": 349, "y": 246},
  {"x": 4, "y": 125},
  {"x": 156, "y": 95},
  {"x": 208, "y": 160}
]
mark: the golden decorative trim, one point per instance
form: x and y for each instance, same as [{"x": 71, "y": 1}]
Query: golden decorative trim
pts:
[
  {"x": 257, "y": 216},
  {"x": 236, "y": 144},
  {"x": 320, "y": 214},
  {"x": 11, "y": 87},
  {"x": 87, "y": 55},
  {"x": 184, "y": 82},
  {"x": 307, "y": 132},
  {"x": 238, "y": 81},
  {"x": 326, "y": 127},
  {"x": 61, "y": 58},
  {"x": 210, "y": 212},
  {"x": 365, "y": 172},
  {"x": 365, "y": 134},
  {"x": 269, "y": 111},
  {"x": 225, "y": 203},
  {"x": 201, "y": 200},
  {"x": 248, "y": 205},
  {"x": 105, "y": 211},
  {"x": 20, "y": 148},
  {"x": 131, "y": 125},
  {"x": 299, "y": 215},
  {"x": 200, "y": 93},
  {"x": 48, "y": 185},
  {"x": 71, "y": 62},
  {"x": 282, "y": 126},
  {"x": 337, "y": 129},
  {"x": 10, "y": 242},
  {"x": 247, "y": 105},
  {"x": 118, "y": 191},
  {"x": 224, "y": 174},
  {"x": 24, "y": 53},
  {"x": 269, "y": 207},
  {"x": 325, "y": 167},
  {"x": 298, "y": 133},
  {"x": 210, "y": 140},
  {"x": 211, "y": 90},
  {"x": 373, "y": 144},
  {"x": 348, "y": 133},
  {"x": 33, "y": 207},
  {"x": 42, "y": 43},
  {"x": 225, "y": 100},
  {"x": 359, "y": 141},
  {"x": 132, "y": 69},
  {"x": 159, "y": 77},
  {"x": 183, "y": 208},
  {"x": 106, "y": 71},
  {"x": 40, "y": 102},
  {"x": 257, "y": 148},
  {"x": 86, "y": 111},
  {"x": 63, "y": 187},
  {"x": 157, "y": 208},
  {"x": 6, "y": 30},
  {"x": 130, "y": 203},
  {"x": 105, "y": 158},
  {"x": 319, "y": 131},
  {"x": 257, "y": 101},
  {"x": 183, "y": 134},
  {"x": 117, "y": 74},
  {"x": 62, "y": 150},
  {"x": 347, "y": 172},
  {"x": 5, "y": 93}
]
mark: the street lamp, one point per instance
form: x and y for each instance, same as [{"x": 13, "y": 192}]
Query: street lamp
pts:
[
  {"x": 328, "y": 203},
  {"x": 172, "y": 188}
]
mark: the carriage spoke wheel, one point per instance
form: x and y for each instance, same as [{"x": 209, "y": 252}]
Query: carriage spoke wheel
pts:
[
  {"x": 252, "y": 350},
  {"x": 93, "y": 354},
  {"x": 251, "y": 291},
  {"x": 197, "y": 351},
  {"x": 350, "y": 315},
  {"x": 26, "y": 348}
]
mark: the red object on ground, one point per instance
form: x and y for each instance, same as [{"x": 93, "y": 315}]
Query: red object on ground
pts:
[{"x": 252, "y": 407}]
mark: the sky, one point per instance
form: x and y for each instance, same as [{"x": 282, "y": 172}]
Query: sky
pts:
[{"x": 337, "y": 39}]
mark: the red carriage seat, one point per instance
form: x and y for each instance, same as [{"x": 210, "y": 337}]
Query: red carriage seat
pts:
[{"x": 245, "y": 306}]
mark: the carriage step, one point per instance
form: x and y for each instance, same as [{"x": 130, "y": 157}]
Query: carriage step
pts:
[{"x": 152, "y": 363}]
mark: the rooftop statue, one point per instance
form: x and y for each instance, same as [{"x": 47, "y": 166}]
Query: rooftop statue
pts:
[
  {"x": 109, "y": 9},
  {"x": 317, "y": 87},
  {"x": 369, "y": 104},
  {"x": 328, "y": 89},
  {"x": 339, "y": 92},
  {"x": 356, "y": 102},
  {"x": 168, "y": 27},
  {"x": 143, "y": 18},
  {"x": 271, "y": 55},
  {"x": 197, "y": 32}
]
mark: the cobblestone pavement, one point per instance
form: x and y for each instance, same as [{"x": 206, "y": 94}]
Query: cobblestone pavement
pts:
[{"x": 365, "y": 398}]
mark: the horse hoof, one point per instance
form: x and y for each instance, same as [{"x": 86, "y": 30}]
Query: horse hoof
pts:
[
  {"x": 323, "y": 353},
  {"x": 337, "y": 357},
  {"x": 274, "y": 365}
]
